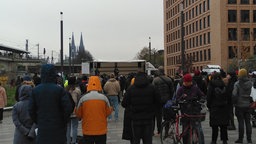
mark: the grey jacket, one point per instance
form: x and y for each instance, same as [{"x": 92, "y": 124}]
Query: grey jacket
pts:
[
  {"x": 24, "y": 126},
  {"x": 241, "y": 92}
]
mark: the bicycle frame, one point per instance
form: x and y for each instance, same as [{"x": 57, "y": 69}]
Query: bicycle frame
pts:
[{"x": 188, "y": 128}]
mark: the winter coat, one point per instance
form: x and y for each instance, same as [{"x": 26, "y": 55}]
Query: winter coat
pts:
[
  {"x": 218, "y": 104},
  {"x": 200, "y": 83},
  {"x": 94, "y": 108},
  {"x": 50, "y": 107},
  {"x": 76, "y": 95},
  {"x": 165, "y": 88},
  {"x": 3, "y": 97},
  {"x": 112, "y": 87},
  {"x": 141, "y": 99},
  {"x": 191, "y": 93},
  {"x": 24, "y": 125},
  {"x": 241, "y": 93}
]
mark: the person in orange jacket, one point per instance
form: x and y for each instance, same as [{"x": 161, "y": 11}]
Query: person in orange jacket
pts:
[{"x": 94, "y": 108}]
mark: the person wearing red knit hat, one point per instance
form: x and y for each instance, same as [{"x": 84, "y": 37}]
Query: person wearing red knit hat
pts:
[{"x": 189, "y": 91}]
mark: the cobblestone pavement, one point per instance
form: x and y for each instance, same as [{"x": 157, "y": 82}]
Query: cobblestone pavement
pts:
[{"x": 114, "y": 131}]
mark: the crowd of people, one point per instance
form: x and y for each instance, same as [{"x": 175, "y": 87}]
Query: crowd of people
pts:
[{"x": 48, "y": 108}]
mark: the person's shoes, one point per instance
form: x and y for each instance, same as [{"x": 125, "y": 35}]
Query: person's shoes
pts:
[
  {"x": 239, "y": 141},
  {"x": 1, "y": 121},
  {"x": 225, "y": 142},
  {"x": 249, "y": 141},
  {"x": 213, "y": 142}
]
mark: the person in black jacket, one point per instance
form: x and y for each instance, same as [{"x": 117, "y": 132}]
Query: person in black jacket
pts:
[
  {"x": 50, "y": 107},
  {"x": 218, "y": 102},
  {"x": 141, "y": 99}
]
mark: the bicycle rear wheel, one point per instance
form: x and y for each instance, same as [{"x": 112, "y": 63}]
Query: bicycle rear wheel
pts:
[{"x": 168, "y": 133}]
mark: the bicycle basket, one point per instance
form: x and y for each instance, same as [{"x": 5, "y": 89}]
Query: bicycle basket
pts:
[{"x": 169, "y": 114}]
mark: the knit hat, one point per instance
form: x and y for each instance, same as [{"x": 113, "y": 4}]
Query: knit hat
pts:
[
  {"x": 242, "y": 73},
  {"x": 26, "y": 78},
  {"x": 196, "y": 72},
  {"x": 187, "y": 78}
]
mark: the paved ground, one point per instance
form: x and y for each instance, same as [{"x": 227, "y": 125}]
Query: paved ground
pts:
[{"x": 114, "y": 131}]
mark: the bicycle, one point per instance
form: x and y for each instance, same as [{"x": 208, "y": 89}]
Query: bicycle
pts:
[{"x": 170, "y": 131}]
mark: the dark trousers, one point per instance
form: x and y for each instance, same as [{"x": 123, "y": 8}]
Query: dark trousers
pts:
[
  {"x": 95, "y": 139},
  {"x": 1, "y": 113},
  {"x": 142, "y": 131},
  {"x": 243, "y": 116},
  {"x": 158, "y": 119},
  {"x": 223, "y": 133},
  {"x": 231, "y": 117}
]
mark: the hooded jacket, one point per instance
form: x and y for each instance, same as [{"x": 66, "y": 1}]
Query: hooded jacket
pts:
[
  {"x": 24, "y": 125},
  {"x": 50, "y": 107},
  {"x": 241, "y": 92},
  {"x": 94, "y": 108},
  {"x": 141, "y": 99}
]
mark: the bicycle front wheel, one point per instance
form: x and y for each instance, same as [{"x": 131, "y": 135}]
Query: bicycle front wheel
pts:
[{"x": 168, "y": 133}]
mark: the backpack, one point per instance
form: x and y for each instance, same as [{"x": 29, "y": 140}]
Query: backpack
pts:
[
  {"x": 169, "y": 113},
  {"x": 162, "y": 90},
  {"x": 221, "y": 96}
]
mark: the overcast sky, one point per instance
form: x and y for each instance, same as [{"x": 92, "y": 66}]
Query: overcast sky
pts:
[{"x": 112, "y": 29}]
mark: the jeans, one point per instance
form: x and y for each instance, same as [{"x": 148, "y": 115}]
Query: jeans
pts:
[
  {"x": 196, "y": 125},
  {"x": 72, "y": 130},
  {"x": 244, "y": 117},
  {"x": 114, "y": 103}
]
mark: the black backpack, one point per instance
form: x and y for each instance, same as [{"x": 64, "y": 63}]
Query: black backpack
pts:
[{"x": 83, "y": 87}]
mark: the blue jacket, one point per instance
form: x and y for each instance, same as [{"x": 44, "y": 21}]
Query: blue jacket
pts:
[{"x": 50, "y": 107}]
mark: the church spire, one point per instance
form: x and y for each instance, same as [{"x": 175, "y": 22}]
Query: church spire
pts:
[
  {"x": 73, "y": 46},
  {"x": 81, "y": 46}
]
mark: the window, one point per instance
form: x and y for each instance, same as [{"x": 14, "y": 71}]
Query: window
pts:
[
  {"x": 254, "y": 34},
  {"x": 245, "y": 34},
  {"x": 196, "y": 41},
  {"x": 208, "y": 21},
  {"x": 254, "y": 49},
  {"x": 231, "y": 1},
  {"x": 232, "y": 34},
  {"x": 209, "y": 54},
  {"x": 245, "y": 2},
  {"x": 232, "y": 50},
  {"x": 200, "y": 8},
  {"x": 200, "y": 40},
  {"x": 196, "y": 25},
  {"x": 208, "y": 4},
  {"x": 245, "y": 16},
  {"x": 231, "y": 15},
  {"x": 254, "y": 1},
  {"x": 204, "y": 5},
  {"x": 204, "y": 22},
  {"x": 200, "y": 24},
  {"x": 204, "y": 38},
  {"x": 254, "y": 15},
  {"x": 209, "y": 37},
  {"x": 205, "y": 55},
  {"x": 201, "y": 56}
]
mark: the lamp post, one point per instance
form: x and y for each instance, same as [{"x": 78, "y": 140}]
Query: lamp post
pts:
[
  {"x": 61, "y": 41},
  {"x": 149, "y": 51},
  {"x": 70, "y": 55},
  {"x": 182, "y": 36}
]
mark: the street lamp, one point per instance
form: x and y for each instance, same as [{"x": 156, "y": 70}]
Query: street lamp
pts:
[
  {"x": 149, "y": 47},
  {"x": 61, "y": 41},
  {"x": 182, "y": 36},
  {"x": 70, "y": 54}
]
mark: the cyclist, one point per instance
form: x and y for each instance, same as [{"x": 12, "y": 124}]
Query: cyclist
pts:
[{"x": 189, "y": 91}]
